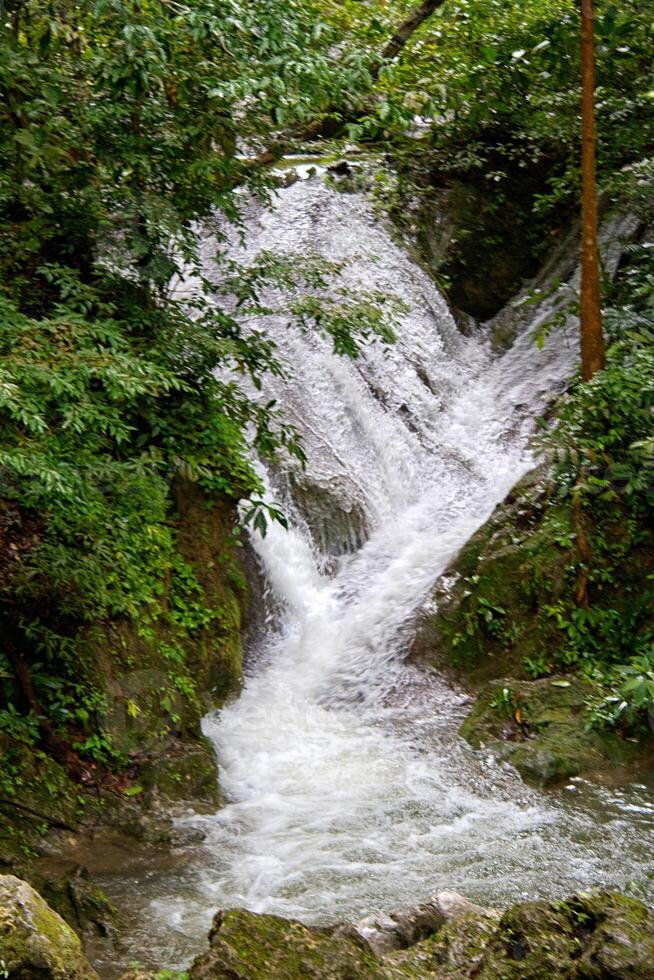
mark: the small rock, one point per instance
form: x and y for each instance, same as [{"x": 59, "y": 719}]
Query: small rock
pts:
[
  {"x": 340, "y": 169},
  {"x": 138, "y": 975}
]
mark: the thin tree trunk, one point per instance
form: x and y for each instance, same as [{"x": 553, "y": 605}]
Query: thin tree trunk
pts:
[{"x": 592, "y": 337}]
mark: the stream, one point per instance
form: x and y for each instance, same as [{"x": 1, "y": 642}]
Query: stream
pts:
[{"x": 347, "y": 787}]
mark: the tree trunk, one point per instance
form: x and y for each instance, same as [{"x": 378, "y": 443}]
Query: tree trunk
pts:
[{"x": 592, "y": 337}]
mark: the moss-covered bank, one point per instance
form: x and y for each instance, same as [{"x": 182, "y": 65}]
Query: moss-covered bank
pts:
[
  {"x": 509, "y": 622},
  {"x": 155, "y": 676}
]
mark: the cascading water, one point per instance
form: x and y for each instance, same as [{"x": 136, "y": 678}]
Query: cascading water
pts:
[{"x": 347, "y": 787}]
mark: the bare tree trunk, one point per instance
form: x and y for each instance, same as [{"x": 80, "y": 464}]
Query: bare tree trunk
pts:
[{"x": 592, "y": 337}]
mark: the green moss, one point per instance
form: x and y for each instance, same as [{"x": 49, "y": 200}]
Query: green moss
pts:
[
  {"x": 79, "y": 902},
  {"x": 182, "y": 771},
  {"x": 154, "y": 678},
  {"x": 507, "y": 604},
  {"x": 507, "y": 610},
  {"x": 452, "y": 953},
  {"x": 601, "y": 934}
]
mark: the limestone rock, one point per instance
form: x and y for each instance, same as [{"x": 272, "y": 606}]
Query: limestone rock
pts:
[
  {"x": 77, "y": 900},
  {"x": 34, "y": 940},
  {"x": 589, "y": 937}
]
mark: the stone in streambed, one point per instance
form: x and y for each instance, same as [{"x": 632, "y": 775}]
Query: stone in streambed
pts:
[
  {"x": 598, "y": 936},
  {"x": 552, "y": 741},
  {"x": 82, "y": 904},
  {"x": 385, "y": 933}
]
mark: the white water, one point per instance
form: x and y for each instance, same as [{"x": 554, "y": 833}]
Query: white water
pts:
[{"x": 347, "y": 787}]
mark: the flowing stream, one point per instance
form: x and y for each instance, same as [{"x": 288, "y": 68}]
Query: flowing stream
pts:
[{"x": 347, "y": 787}]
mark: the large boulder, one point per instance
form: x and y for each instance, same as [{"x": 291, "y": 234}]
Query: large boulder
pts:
[
  {"x": 35, "y": 942},
  {"x": 79, "y": 901},
  {"x": 600, "y": 936},
  {"x": 384, "y": 933},
  {"x": 246, "y": 946}
]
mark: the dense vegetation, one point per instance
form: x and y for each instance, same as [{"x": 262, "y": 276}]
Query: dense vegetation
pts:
[
  {"x": 119, "y": 129},
  {"x": 124, "y": 125}
]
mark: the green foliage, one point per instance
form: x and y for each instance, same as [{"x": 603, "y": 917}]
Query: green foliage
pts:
[
  {"x": 483, "y": 73},
  {"x": 484, "y": 104},
  {"x": 503, "y": 702},
  {"x": 638, "y": 682},
  {"x": 631, "y": 701},
  {"x": 118, "y": 133}
]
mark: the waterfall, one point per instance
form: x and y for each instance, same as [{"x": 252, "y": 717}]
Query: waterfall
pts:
[{"x": 347, "y": 787}]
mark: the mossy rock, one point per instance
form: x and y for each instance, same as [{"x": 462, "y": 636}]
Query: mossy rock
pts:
[
  {"x": 598, "y": 936},
  {"x": 604, "y": 935},
  {"x": 158, "y": 678},
  {"x": 245, "y": 946},
  {"x": 601, "y": 936},
  {"x": 43, "y": 793},
  {"x": 540, "y": 727},
  {"x": 155, "y": 680},
  {"x": 35, "y": 942},
  {"x": 453, "y": 953},
  {"x": 158, "y": 975},
  {"x": 495, "y": 612},
  {"x": 485, "y": 621}
]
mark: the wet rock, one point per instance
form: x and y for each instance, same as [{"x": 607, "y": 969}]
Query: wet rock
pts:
[
  {"x": 603, "y": 936},
  {"x": 599, "y": 936},
  {"x": 34, "y": 940},
  {"x": 245, "y": 946},
  {"x": 454, "y": 952},
  {"x": 405, "y": 927},
  {"x": 139, "y": 974},
  {"x": 498, "y": 617},
  {"x": 341, "y": 169},
  {"x": 181, "y": 771}
]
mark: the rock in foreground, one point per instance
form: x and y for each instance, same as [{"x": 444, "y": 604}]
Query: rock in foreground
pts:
[
  {"x": 35, "y": 942},
  {"x": 588, "y": 937}
]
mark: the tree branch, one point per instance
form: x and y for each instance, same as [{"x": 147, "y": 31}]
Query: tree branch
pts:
[{"x": 406, "y": 30}]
